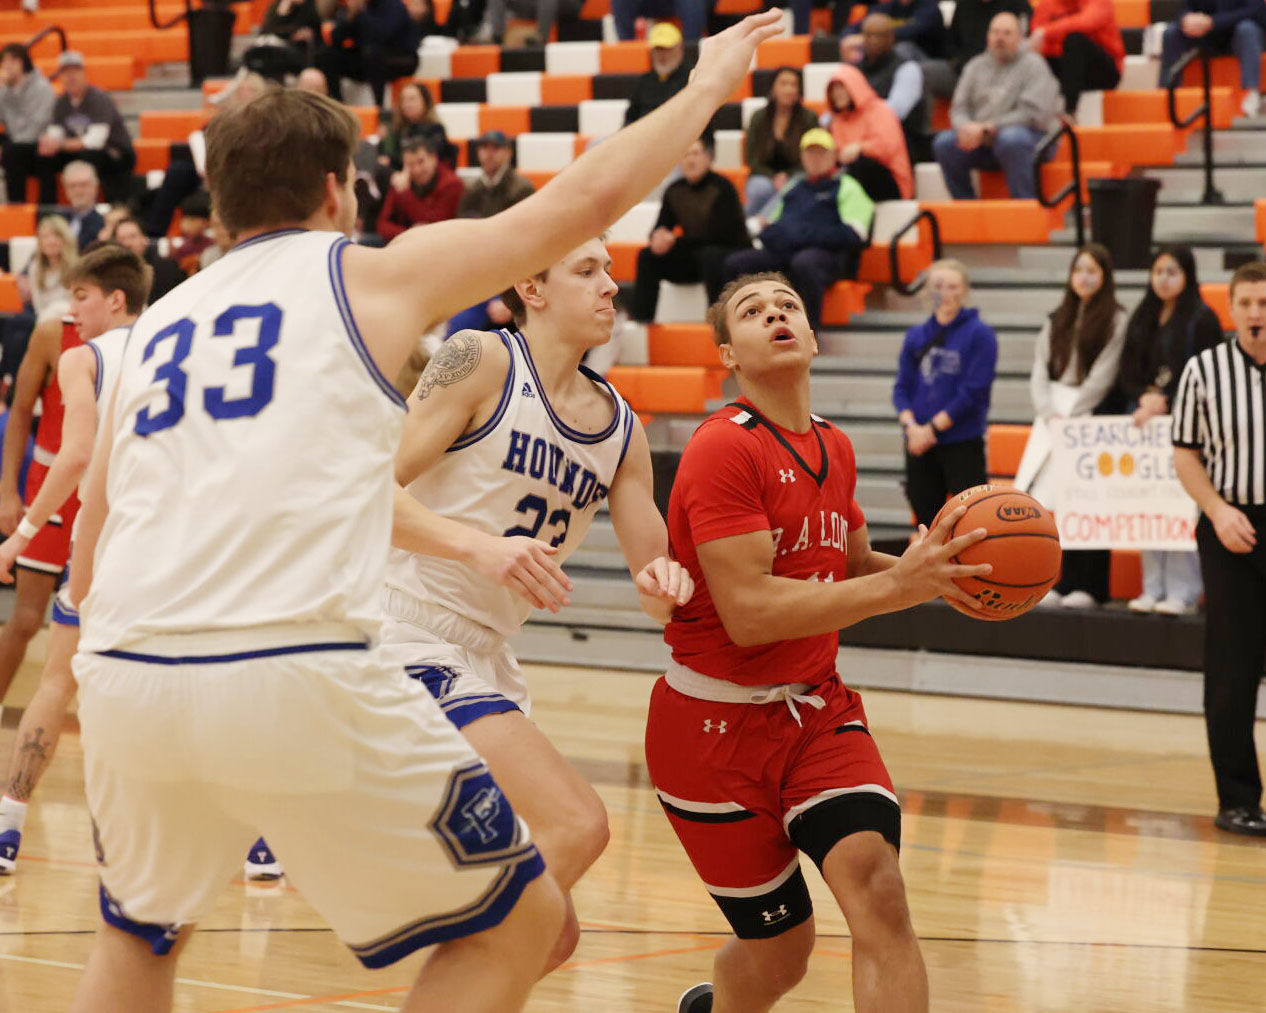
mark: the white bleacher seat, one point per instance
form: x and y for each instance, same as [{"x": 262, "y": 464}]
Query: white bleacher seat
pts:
[
  {"x": 609, "y": 33},
  {"x": 750, "y": 105},
  {"x": 21, "y": 250},
  {"x": 635, "y": 346},
  {"x": 636, "y": 224},
  {"x": 600, "y": 117},
  {"x": 1140, "y": 73},
  {"x": 681, "y": 304},
  {"x": 929, "y": 182},
  {"x": 729, "y": 149},
  {"x": 154, "y": 178},
  {"x": 1153, "y": 36},
  {"x": 788, "y": 21},
  {"x": 947, "y": 11},
  {"x": 516, "y": 88},
  {"x": 545, "y": 151},
  {"x": 460, "y": 119},
  {"x": 891, "y": 215},
  {"x": 435, "y": 62},
  {"x": 573, "y": 58},
  {"x": 816, "y": 77},
  {"x": 1090, "y": 109},
  {"x": 468, "y": 173}
]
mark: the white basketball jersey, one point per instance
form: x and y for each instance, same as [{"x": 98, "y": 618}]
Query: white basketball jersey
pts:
[
  {"x": 108, "y": 348},
  {"x": 523, "y": 472},
  {"x": 250, "y": 479}
]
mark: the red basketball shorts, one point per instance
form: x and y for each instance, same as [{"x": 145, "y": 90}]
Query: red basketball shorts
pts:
[
  {"x": 49, "y": 551},
  {"x": 747, "y": 786}
]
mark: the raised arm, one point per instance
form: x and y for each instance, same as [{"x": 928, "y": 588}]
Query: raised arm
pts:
[
  {"x": 40, "y": 355},
  {"x": 429, "y": 273},
  {"x": 76, "y": 375},
  {"x": 662, "y": 583}
]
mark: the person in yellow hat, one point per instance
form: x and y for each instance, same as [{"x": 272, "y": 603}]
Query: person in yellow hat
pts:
[
  {"x": 817, "y": 229},
  {"x": 668, "y": 74}
]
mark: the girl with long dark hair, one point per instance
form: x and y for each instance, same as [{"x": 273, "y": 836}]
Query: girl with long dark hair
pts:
[
  {"x": 1170, "y": 325},
  {"x": 772, "y": 147}
]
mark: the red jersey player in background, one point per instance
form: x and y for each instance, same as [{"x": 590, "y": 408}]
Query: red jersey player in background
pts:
[
  {"x": 756, "y": 748},
  {"x": 42, "y": 562}
]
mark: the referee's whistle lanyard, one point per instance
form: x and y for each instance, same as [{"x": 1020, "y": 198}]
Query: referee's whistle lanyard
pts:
[{"x": 790, "y": 698}]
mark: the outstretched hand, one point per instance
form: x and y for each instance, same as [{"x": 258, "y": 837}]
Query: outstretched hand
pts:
[
  {"x": 526, "y": 567},
  {"x": 726, "y": 58},
  {"x": 926, "y": 571}
]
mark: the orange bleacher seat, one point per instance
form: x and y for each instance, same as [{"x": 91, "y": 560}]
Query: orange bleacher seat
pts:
[
  {"x": 788, "y": 52},
  {"x": 624, "y": 260},
  {"x": 1259, "y": 208},
  {"x": 1125, "y": 574},
  {"x": 152, "y": 153},
  {"x": 475, "y": 61},
  {"x": 994, "y": 221},
  {"x": 940, "y": 115},
  {"x": 1005, "y": 447},
  {"x": 566, "y": 89},
  {"x": 110, "y": 73},
  {"x": 1151, "y": 105},
  {"x": 10, "y": 299},
  {"x": 681, "y": 345},
  {"x": 1133, "y": 13},
  {"x": 624, "y": 58},
  {"x": 172, "y": 124},
  {"x": 1127, "y": 144},
  {"x": 680, "y": 390},
  {"x": 876, "y": 266},
  {"x": 1217, "y": 295},
  {"x": 442, "y": 10},
  {"x": 368, "y": 117},
  {"x": 595, "y": 10},
  {"x": 842, "y": 300},
  {"x": 737, "y": 6},
  {"x": 1224, "y": 71},
  {"x": 1055, "y": 175},
  {"x": 17, "y": 220},
  {"x": 510, "y": 120},
  {"x": 737, "y": 176}
]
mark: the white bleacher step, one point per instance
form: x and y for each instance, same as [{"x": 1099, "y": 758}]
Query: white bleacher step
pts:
[
  {"x": 600, "y": 117},
  {"x": 545, "y": 151},
  {"x": 573, "y": 58},
  {"x": 1214, "y": 223},
  {"x": 1140, "y": 73},
  {"x": 729, "y": 150},
  {"x": 1186, "y": 183},
  {"x": 871, "y": 397},
  {"x": 635, "y": 224},
  {"x": 681, "y": 303},
  {"x": 513, "y": 88},
  {"x": 460, "y": 119}
]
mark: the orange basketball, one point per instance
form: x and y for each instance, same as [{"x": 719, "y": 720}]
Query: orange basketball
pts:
[{"x": 1022, "y": 545}]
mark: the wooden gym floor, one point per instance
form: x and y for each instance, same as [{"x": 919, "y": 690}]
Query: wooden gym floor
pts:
[{"x": 1057, "y": 859}]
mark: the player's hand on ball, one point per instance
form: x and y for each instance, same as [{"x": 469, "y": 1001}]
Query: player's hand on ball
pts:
[
  {"x": 926, "y": 571},
  {"x": 528, "y": 568},
  {"x": 665, "y": 579}
]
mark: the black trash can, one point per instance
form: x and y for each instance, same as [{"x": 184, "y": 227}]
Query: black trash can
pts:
[
  {"x": 1122, "y": 212},
  {"x": 210, "y": 41}
]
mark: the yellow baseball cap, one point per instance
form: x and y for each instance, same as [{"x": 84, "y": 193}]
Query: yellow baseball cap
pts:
[
  {"x": 664, "y": 35},
  {"x": 817, "y": 138}
]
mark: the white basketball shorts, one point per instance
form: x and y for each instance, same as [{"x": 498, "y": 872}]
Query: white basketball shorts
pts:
[{"x": 386, "y": 819}]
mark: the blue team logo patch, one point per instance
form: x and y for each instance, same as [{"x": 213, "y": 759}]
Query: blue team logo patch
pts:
[
  {"x": 438, "y": 679},
  {"x": 475, "y": 821}
]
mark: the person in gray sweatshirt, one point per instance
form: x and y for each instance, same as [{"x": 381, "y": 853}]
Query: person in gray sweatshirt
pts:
[
  {"x": 1004, "y": 103},
  {"x": 26, "y": 107}
]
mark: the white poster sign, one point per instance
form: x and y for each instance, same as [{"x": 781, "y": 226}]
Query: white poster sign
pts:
[{"x": 1114, "y": 486}]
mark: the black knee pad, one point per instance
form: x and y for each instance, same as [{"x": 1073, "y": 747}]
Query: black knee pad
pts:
[
  {"x": 771, "y": 914},
  {"x": 818, "y": 830}
]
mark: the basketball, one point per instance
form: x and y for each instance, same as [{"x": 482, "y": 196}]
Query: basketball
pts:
[{"x": 1022, "y": 546}]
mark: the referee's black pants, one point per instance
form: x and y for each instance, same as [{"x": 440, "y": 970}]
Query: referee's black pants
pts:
[{"x": 1234, "y": 657}]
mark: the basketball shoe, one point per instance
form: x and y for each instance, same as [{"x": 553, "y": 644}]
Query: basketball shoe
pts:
[
  {"x": 261, "y": 863},
  {"x": 10, "y": 841},
  {"x": 697, "y": 999}
]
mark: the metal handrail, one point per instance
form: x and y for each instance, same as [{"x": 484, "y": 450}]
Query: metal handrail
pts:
[
  {"x": 44, "y": 33},
  {"x": 1073, "y": 187},
  {"x": 1205, "y": 110},
  {"x": 894, "y": 262},
  {"x": 183, "y": 16}
]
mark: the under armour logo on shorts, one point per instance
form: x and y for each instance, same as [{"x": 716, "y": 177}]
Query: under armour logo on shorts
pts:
[
  {"x": 786, "y": 475},
  {"x": 709, "y": 724},
  {"x": 776, "y": 915}
]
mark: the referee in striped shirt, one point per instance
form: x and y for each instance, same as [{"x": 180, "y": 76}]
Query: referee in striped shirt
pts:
[{"x": 1219, "y": 436}]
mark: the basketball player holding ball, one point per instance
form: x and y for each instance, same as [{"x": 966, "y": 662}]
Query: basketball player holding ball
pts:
[{"x": 757, "y": 749}]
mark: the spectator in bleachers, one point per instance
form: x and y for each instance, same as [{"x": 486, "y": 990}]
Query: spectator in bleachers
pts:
[
  {"x": 693, "y": 15},
  {"x": 221, "y": 242},
  {"x": 40, "y": 284},
  {"x": 1171, "y": 324},
  {"x": 969, "y": 27},
  {"x": 667, "y": 76},
  {"x": 195, "y": 233},
  {"x": 497, "y": 187},
  {"x": 700, "y": 224},
  {"x": 311, "y": 79},
  {"x": 167, "y": 273},
  {"x": 919, "y": 26},
  {"x": 79, "y": 180},
  {"x": 771, "y": 146},
  {"x": 1223, "y": 26},
  {"x": 1005, "y": 102},
  {"x": 896, "y": 79},
  {"x": 817, "y": 230},
  {"x": 546, "y": 14},
  {"x": 184, "y": 176},
  {"x": 944, "y": 378},
  {"x": 868, "y": 137},
  {"x": 1075, "y": 363},
  {"x": 414, "y": 116},
  {"x": 26, "y": 108},
  {"x": 298, "y": 24},
  {"x": 374, "y": 41},
  {"x": 424, "y": 191},
  {"x": 86, "y": 126},
  {"x": 1082, "y": 43},
  {"x": 115, "y": 213}
]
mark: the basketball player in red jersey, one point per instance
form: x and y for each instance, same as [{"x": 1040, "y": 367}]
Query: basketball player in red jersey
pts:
[
  {"x": 41, "y": 563},
  {"x": 756, "y": 748}
]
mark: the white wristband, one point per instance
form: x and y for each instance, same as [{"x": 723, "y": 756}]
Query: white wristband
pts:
[{"x": 27, "y": 530}]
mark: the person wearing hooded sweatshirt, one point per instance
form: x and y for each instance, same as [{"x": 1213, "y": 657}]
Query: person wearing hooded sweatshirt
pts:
[
  {"x": 944, "y": 377},
  {"x": 868, "y": 136},
  {"x": 817, "y": 230}
]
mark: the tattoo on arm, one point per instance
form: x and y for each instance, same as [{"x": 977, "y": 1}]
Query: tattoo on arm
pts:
[
  {"x": 455, "y": 360},
  {"x": 33, "y": 757}
]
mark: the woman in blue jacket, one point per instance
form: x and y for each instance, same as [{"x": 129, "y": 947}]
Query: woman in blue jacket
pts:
[{"x": 941, "y": 395}]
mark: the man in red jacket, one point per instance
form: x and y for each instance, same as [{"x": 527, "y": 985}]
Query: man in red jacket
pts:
[
  {"x": 1082, "y": 43},
  {"x": 424, "y": 191}
]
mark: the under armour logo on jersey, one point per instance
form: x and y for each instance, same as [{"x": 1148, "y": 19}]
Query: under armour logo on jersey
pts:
[
  {"x": 786, "y": 475},
  {"x": 481, "y": 813},
  {"x": 527, "y": 390},
  {"x": 776, "y": 915},
  {"x": 709, "y": 724}
]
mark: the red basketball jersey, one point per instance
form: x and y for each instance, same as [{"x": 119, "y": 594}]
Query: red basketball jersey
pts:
[
  {"x": 741, "y": 473},
  {"x": 52, "y": 409}
]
